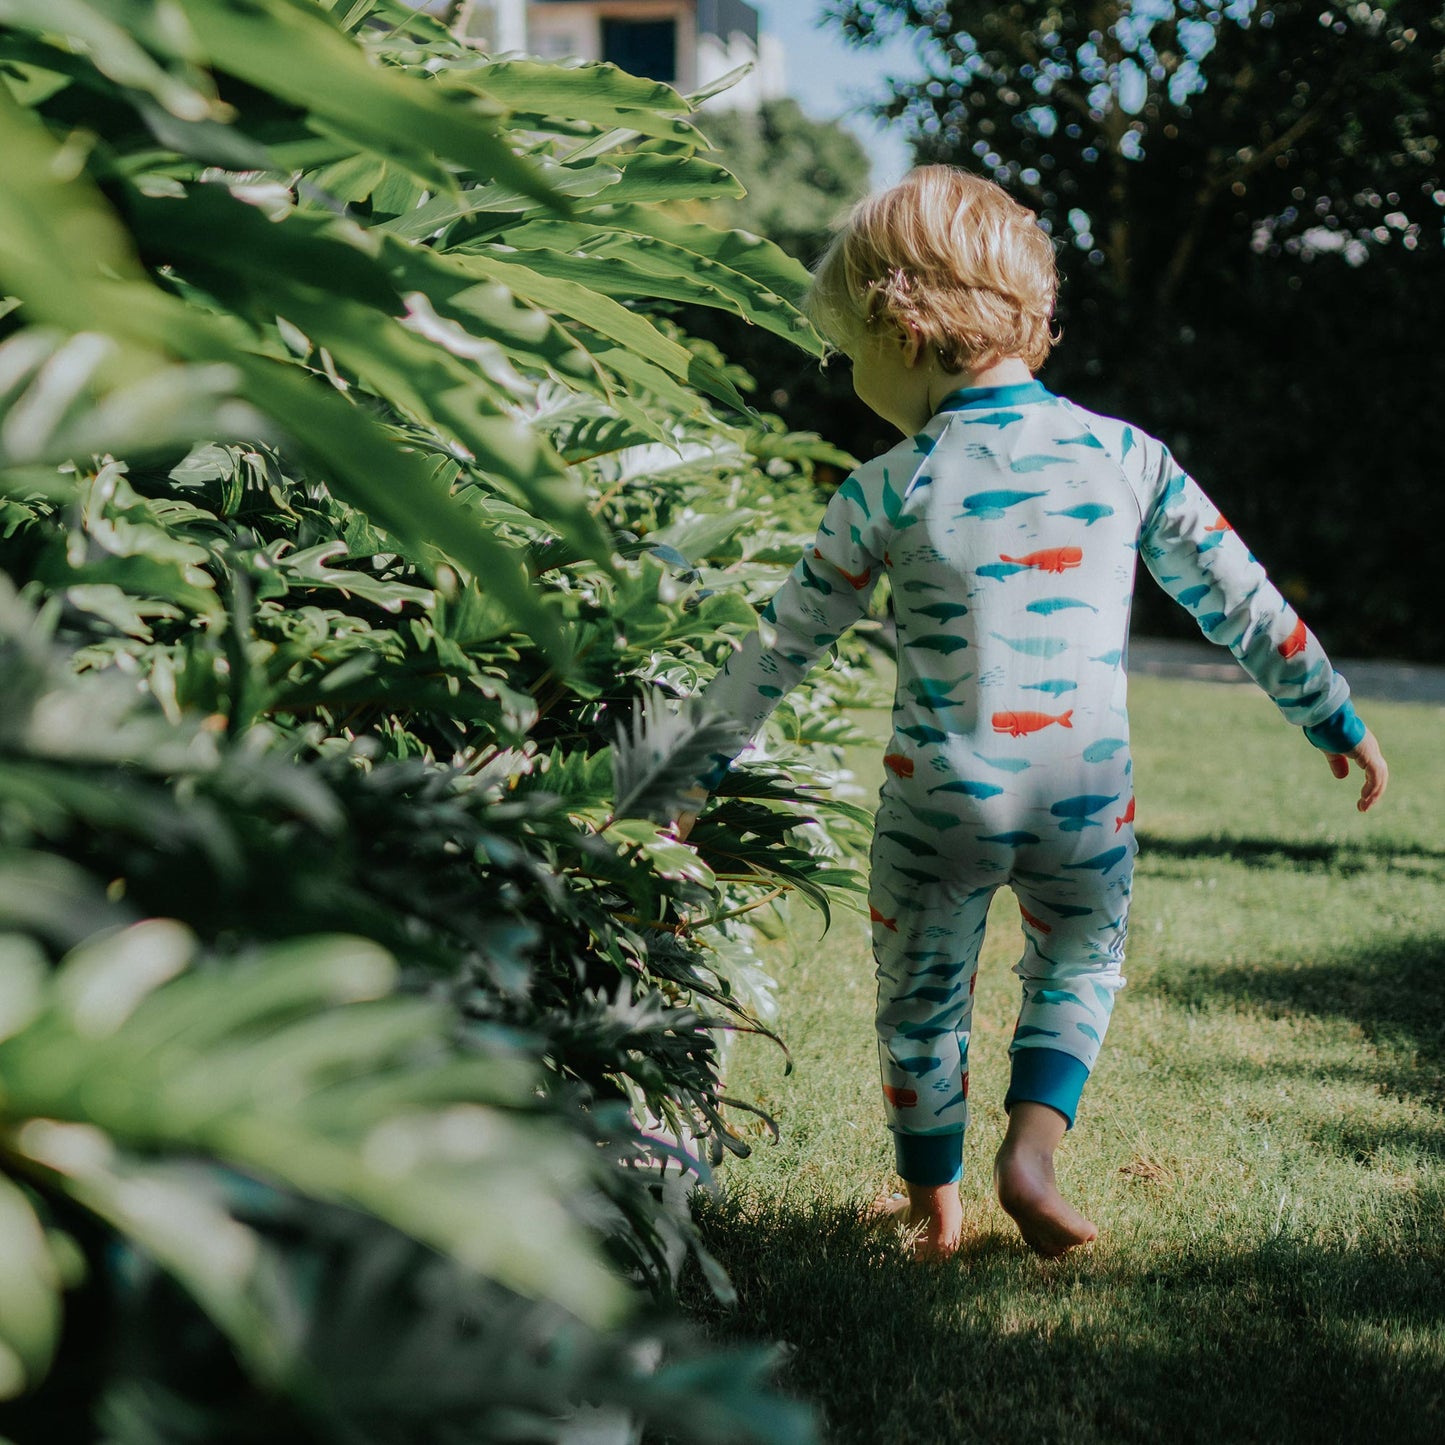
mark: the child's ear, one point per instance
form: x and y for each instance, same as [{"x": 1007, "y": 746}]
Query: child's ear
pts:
[{"x": 911, "y": 339}]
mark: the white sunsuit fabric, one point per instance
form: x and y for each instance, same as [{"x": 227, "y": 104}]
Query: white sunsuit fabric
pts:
[{"x": 1009, "y": 530}]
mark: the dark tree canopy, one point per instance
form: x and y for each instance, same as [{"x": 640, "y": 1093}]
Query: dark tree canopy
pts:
[
  {"x": 1158, "y": 140},
  {"x": 1247, "y": 202}
]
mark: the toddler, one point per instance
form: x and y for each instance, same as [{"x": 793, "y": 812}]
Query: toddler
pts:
[{"x": 1008, "y": 523}]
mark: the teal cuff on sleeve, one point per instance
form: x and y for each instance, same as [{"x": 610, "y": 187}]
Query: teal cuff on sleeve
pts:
[
  {"x": 929, "y": 1158},
  {"x": 1339, "y": 732},
  {"x": 1047, "y": 1076}
]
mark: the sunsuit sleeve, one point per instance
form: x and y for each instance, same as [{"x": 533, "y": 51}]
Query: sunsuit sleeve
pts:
[
  {"x": 827, "y": 591},
  {"x": 1202, "y": 563}
]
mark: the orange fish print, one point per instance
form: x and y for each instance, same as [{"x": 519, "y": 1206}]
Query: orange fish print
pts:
[
  {"x": 965, "y": 1083},
  {"x": 900, "y": 1098},
  {"x": 1051, "y": 559},
  {"x": 891, "y": 924},
  {"x": 898, "y": 763},
  {"x": 1295, "y": 642},
  {"x": 1019, "y": 723},
  {"x": 1127, "y": 818},
  {"x": 1219, "y": 525},
  {"x": 856, "y": 580},
  {"x": 1035, "y": 922}
]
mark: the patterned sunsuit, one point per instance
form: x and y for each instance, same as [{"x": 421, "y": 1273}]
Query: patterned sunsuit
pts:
[{"x": 1008, "y": 529}]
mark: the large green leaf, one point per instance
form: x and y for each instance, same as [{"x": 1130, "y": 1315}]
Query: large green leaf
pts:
[
  {"x": 628, "y": 266},
  {"x": 289, "y": 48},
  {"x": 140, "y": 1051},
  {"x": 598, "y": 94},
  {"x": 636, "y": 177},
  {"x": 123, "y": 48},
  {"x": 601, "y": 314}
]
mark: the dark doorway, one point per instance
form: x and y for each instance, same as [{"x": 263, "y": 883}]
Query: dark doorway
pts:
[{"x": 642, "y": 47}]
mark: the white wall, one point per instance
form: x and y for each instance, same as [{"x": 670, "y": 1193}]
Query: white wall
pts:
[
  {"x": 496, "y": 25},
  {"x": 560, "y": 32}
]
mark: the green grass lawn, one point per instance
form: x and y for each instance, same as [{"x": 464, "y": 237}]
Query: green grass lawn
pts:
[{"x": 1262, "y": 1144}]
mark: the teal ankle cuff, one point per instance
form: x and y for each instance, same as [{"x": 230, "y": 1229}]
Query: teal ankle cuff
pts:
[
  {"x": 1047, "y": 1076},
  {"x": 929, "y": 1158}
]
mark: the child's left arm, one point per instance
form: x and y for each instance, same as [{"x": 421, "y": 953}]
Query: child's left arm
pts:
[{"x": 1203, "y": 564}]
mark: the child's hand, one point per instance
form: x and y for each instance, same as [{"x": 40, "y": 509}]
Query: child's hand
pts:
[
  {"x": 683, "y": 826},
  {"x": 1372, "y": 760}
]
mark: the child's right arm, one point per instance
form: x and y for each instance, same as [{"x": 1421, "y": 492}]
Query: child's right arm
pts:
[
  {"x": 825, "y": 594},
  {"x": 1202, "y": 563}
]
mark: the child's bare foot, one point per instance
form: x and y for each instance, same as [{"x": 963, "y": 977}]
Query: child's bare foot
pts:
[
  {"x": 1023, "y": 1174},
  {"x": 931, "y": 1217}
]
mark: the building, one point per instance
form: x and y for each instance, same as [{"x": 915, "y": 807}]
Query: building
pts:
[{"x": 687, "y": 43}]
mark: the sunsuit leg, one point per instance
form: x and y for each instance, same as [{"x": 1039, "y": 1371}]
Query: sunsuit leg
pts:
[
  {"x": 1074, "y": 930},
  {"x": 927, "y": 932}
]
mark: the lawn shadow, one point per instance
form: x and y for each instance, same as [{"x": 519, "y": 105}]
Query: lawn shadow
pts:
[
  {"x": 1394, "y": 990},
  {"x": 1279, "y": 1342},
  {"x": 1347, "y": 857}
]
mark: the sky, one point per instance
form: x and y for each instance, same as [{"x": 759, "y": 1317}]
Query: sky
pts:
[{"x": 833, "y": 80}]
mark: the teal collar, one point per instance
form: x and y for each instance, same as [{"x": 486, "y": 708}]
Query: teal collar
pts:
[{"x": 1014, "y": 394}]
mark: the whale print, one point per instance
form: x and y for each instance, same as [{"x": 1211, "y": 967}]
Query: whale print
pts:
[
  {"x": 1050, "y": 559},
  {"x": 1047, "y": 606},
  {"x": 1007, "y": 765},
  {"x": 922, "y": 733},
  {"x": 930, "y": 692},
  {"x": 1104, "y": 862},
  {"x": 1035, "y": 646},
  {"x": 991, "y": 506},
  {"x": 1294, "y": 644},
  {"x": 945, "y": 642},
  {"x": 997, "y": 571},
  {"x": 969, "y": 788},
  {"x": 1019, "y": 724},
  {"x": 1075, "y": 811},
  {"x": 1086, "y": 512},
  {"x": 811, "y": 579}
]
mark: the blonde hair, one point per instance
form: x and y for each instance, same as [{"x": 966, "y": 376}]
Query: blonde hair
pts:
[{"x": 952, "y": 256}]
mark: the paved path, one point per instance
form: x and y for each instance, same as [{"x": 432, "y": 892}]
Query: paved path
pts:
[{"x": 1392, "y": 681}]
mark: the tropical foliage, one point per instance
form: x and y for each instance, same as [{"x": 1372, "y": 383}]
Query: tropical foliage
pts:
[
  {"x": 801, "y": 175},
  {"x": 364, "y": 514}
]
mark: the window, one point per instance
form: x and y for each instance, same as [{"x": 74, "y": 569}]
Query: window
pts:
[{"x": 642, "y": 47}]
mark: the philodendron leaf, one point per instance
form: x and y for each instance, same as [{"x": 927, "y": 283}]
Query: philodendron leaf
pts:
[
  {"x": 29, "y": 1294},
  {"x": 661, "y": 755}
]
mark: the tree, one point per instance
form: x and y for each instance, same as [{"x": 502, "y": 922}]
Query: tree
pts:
[
  {"x": 1242, "y": 197},
  {"x": 1161, "y": 141}
]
